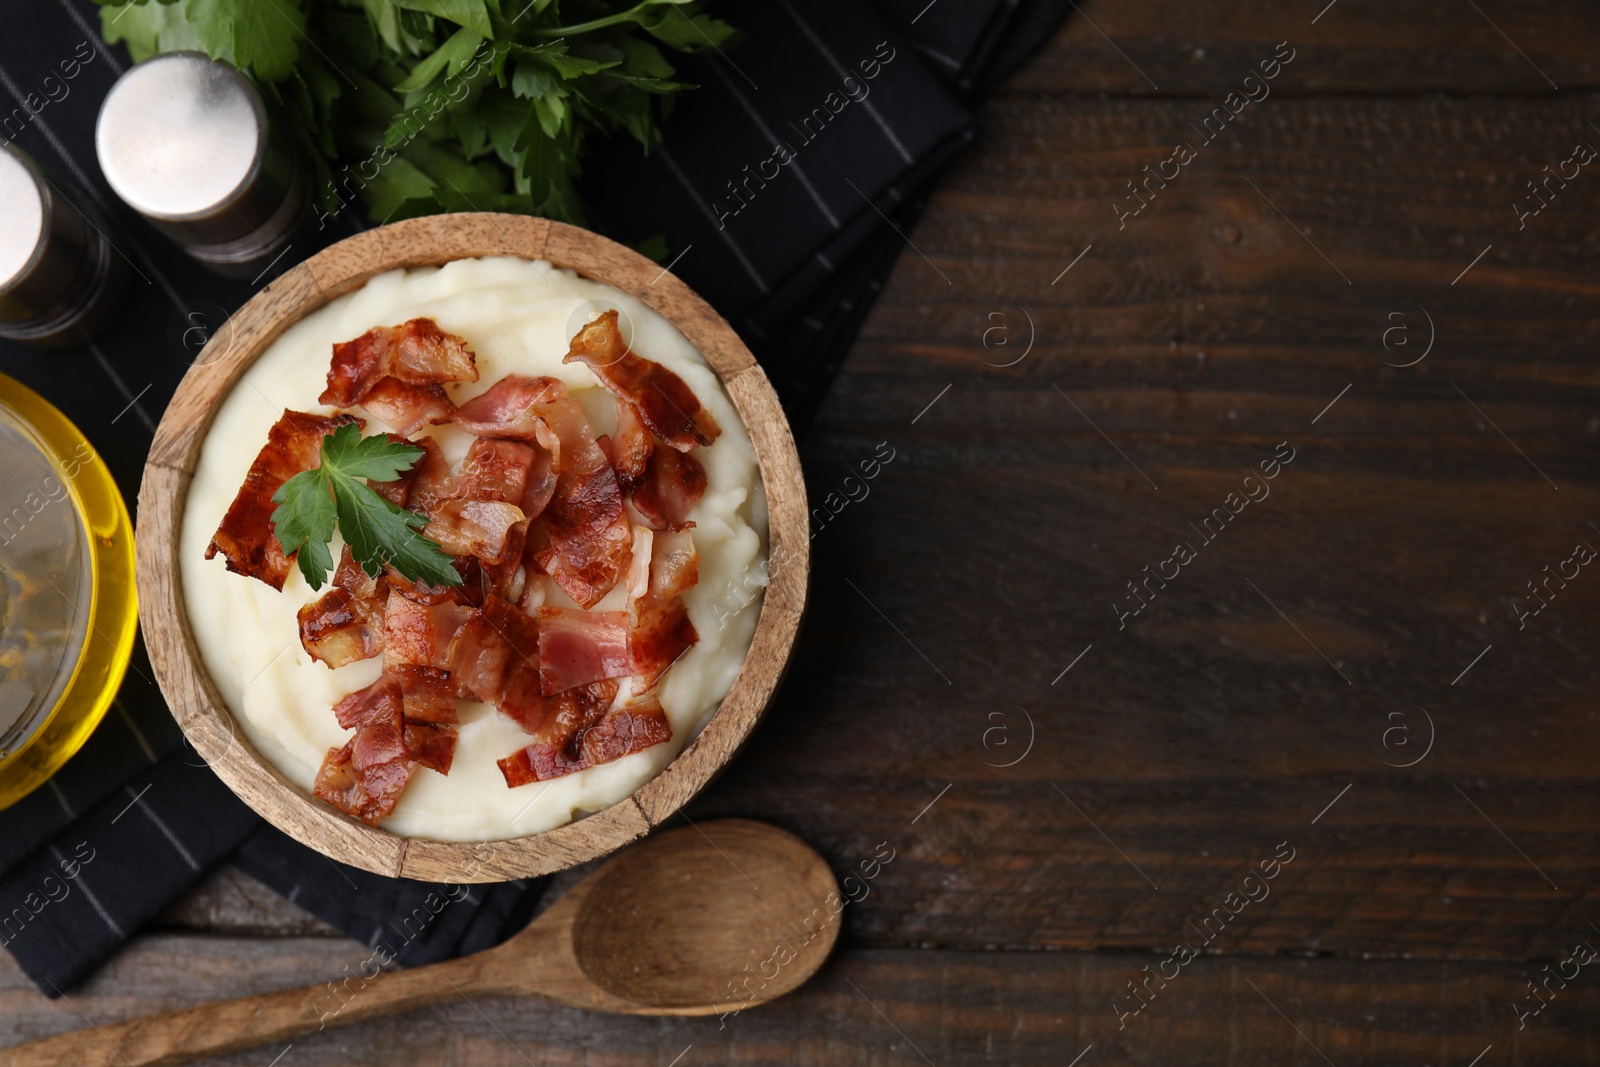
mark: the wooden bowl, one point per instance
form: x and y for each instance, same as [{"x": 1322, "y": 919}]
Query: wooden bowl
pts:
[{"x": 195, "y": 701}]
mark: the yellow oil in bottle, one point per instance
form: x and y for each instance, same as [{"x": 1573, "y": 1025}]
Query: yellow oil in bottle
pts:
[{"x": 68, "y": 608}]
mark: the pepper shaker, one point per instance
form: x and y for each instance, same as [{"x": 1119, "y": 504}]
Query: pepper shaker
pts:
[
  {"x": 186, "y": 142},
  {"x": 61, "y": 281}
]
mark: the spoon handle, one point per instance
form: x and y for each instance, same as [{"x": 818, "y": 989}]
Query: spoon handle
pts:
[{"x": 226, "y": 1026}]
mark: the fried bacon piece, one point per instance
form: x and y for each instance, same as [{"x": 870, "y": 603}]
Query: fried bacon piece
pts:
[
  {"x": 493, "y": 645},
  {"x": 417, "y": 352},
  {"x": 523, "y": 703},
  {"x": 580, "y": 647},
  {"x": 426, "y": 693},
  {"x": 509, "y": 408},
  {"x": 419, "y": 633},
  {"x": 630, "y": 446},
  {"x": 478, "y": 657},
  {"x": 340, "y": 627},
  {"x": 245, "y": 538},
  {"x": 638, "y": 577},
  {"x": 406, "y": 407},
  {"x": 659, "y": 628},
  {"x": 429, "y": 745},
  {"x": 674, "y": 563},
  {"x": 469, "y": 592},
  {"x": 396, "y": 491},
  {"x": 615, "y": 734},
  {"x": 540, "y": 486},
  {"x": 496, "y": 470},
  {"x": 585, "y": 541},
  {"x": 350, "y": 575},
  {"x": 561, "y": 718},
  {"x": 472, "y": 527},
  {"x": 672, "y": 485},
  {"x": 505, "y": 579},
  {"x": 664, "y": 402},
  {"x": 376, "y": 704},
  {"x": 431, "y": 480},
  {"x": 366, "y": 777}
]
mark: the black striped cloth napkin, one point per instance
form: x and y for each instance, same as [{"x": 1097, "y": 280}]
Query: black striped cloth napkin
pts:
[{"x": 868, "y": 102}]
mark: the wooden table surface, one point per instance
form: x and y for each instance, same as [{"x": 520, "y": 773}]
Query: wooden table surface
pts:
[{"x": 1342, "y": 679}]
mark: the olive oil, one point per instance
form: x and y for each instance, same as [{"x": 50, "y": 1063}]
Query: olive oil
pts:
[{"x": 67, "y": 602}]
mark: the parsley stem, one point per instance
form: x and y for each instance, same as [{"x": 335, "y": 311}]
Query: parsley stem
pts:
[{"x": 597, "y": 24}]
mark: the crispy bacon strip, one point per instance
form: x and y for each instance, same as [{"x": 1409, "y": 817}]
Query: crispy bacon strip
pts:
[
  {"x": 672, "y": 485},
  {"x": 674, "y": 563},
  {"x": 478, "y": 658},
  {"x": 639, "y": 566},
  {"x": 473, "y": 527},
  {"x": 376, "y": 704},
  {"x": 494, "y": 646},
  {"x": 469, "y": 592},
  {"x": 540, "y": 486},
  {"x": 431, "y": 480},
  {"x": 416, "y": 351},
  {"x": 615, "y": 734},
  {"x": 340, "y": 627},
  {"x": 558, "y": 720},
  {"x": 350, "y": 575},
  {"x": 426, "y": 694},
  {"x": 366, "y": 777},
  {"x": 586, "y": 537},
  {"x": 517, "y": 697},
  {"x": 630, "y": 446},
  {"x": 396, "y": 491},
  {"x": 416, "y": 633},
  {"x": 659, "y": 628},
  {"x": 584, "y": 540},
  {"x": 406, "y": 407},
  {"x": 429, "y": 745},
  {"x": 505, "y": 579},
  {"x": 496, "y": 470},
  {"x": 509, "y": 408},
  {"x": 366, "y": 789},
  {"x": 580, "y": 647},
  {"x": 664, "y": 401},
  {"x": 246, "y": 538}
]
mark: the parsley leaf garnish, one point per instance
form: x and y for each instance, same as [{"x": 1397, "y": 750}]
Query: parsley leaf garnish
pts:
[{"x": 377, "y": 531}]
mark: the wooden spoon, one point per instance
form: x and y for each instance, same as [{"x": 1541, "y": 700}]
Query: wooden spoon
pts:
[{"x": 694, "y": 921}]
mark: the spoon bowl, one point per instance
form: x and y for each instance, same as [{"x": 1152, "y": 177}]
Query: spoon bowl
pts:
[{"x": 701, "y": 920}]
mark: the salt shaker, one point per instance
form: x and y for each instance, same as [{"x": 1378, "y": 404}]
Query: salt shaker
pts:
[
  {"x": 186, "y": 142},
  {"x": 61, "y": 281}
]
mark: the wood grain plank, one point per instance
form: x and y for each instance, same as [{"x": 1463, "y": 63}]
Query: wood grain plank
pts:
[
  {"x": 1381, "y": 47},
  {"x": 991, "y": 551},
  {"x": 885, "y": 1007}
]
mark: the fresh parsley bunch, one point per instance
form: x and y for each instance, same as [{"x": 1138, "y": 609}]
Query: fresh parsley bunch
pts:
[{"x": 420, "y": 106}]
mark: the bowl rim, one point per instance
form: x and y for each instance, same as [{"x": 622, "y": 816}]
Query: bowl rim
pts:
[{"x": 210, "y": 726}]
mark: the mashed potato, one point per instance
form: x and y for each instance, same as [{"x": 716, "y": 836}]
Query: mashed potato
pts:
[{"x": 518, "y": 316}]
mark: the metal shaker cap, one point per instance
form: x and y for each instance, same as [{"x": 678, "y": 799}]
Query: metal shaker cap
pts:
[
  {"x": 23, "y": 222},
  {"x": 60, "y": 279},
  {"x": 180, "y": 137},
  {"x": 186, "y": 142}
]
